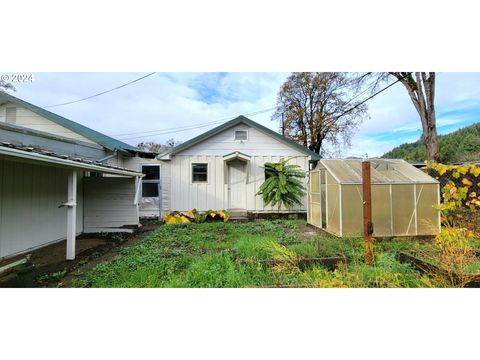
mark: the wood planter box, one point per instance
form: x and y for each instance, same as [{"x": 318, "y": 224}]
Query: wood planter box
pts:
[
  {"x": 428, "y": 268},
  {"x": 303, "y": 264}
]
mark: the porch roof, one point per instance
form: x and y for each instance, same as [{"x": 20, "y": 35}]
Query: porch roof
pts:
[
  {"x": 48, "y": 157},
  {"x": 236, "y": 155}
]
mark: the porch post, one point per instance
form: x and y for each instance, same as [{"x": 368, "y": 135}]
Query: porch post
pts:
[{"x": 71, "y": 214}]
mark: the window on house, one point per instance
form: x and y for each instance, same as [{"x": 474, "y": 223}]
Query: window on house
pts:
[
  {"x": 11, "y": 115},
  {"x": 151, "y": 180},
  {"x": 199, "y": 172},
  {"x": 241, "y": 134}
]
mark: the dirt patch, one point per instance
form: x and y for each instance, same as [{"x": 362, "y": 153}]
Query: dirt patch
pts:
[
  {"x": 305, "y": 231},
  {"x": 48, "y": 268}
]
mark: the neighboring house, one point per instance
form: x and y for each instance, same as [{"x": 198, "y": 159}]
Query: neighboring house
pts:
[
  {"x": 223, "y": 168},
  {"x": 59, "y": 179}
]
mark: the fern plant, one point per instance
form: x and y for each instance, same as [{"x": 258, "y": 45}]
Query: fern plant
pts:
[{"x": 282, "y": 185}]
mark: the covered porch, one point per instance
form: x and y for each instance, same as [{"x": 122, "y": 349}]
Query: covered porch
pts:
[{"x": 47, "y": 197}]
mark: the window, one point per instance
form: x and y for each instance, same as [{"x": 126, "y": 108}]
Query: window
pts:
[
  {"x": 11, "y": 115},
  {"x": 241, "y": 134},
  {"x": 199, "y": 172},
  {"x": 151, "y": 180}
]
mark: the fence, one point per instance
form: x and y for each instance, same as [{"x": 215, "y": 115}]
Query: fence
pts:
[{"x": 457, "y": 182}]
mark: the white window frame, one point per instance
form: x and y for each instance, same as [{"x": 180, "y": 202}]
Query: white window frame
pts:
[
  {"x": 191, "y": 172},
  {"x": 152, "y": 181},
  {"x": 235, "y": 134}
]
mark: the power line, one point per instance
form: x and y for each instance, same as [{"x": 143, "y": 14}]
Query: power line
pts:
[
  {"x": 192, "y": 127},
  {"x": 175, "y": 130},
  {"x": 370, "y": 97},
  {"x": 167, "y": 132},
  {"x": 101, "y": 93},
  {"x": 186, "y": 128},
  {"x": 368, "y": 89}
]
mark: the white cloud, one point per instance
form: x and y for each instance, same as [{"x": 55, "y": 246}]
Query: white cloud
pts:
[{"x": 170, "y": 100}]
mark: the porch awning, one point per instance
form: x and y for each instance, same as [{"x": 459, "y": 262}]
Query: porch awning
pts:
[
  {"x": 237, "y": 155},
  {"x": 38, "y": 155}
]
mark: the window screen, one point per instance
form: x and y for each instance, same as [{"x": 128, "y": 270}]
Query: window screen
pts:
[
  {"x": 150, "y": 189},
  {"x": 151, "y": 180},
  {"x": 199, "y": 172},
  {"x": 241, "y": 134},
  {"x": 152, "y": 172},
  {"x": 11, "y": 115}
]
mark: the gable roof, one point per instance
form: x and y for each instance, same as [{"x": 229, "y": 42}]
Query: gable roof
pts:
[
  {"x": 99, "y": 138},
  {"x": 241, "y": 120}
]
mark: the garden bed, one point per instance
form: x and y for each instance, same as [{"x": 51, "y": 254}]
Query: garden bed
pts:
[
  {"x": 428, "y": 267},
  {"x": 331, "y": 263},
  {"x": 254, "y": 254}
]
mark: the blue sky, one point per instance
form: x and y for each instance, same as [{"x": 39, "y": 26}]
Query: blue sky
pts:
[{"x": 167, "y": 101}]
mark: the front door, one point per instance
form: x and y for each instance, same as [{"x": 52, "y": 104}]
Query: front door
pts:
[{"x": 237, "y": 177}]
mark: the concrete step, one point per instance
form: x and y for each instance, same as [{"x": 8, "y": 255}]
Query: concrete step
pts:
[{"x": 238, "y": 215}]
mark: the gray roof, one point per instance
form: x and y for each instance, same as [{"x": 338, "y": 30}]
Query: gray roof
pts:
[
  {"x": 241, "y": 120},
  {"x": 44, "y": 155},
  {"x": 99, "y": 138}
]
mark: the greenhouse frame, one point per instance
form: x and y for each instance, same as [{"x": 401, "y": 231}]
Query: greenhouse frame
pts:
[{"x": 403, "y": 198}]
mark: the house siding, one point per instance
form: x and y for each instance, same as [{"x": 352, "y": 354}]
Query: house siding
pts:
[
  {"x": 109, "y": 203},
  {"x": 31, "y": 120},
  {"x": 262, "y": 148},
  {"x": 29, "y": 199},
  {"x": 186, "y": 195}
]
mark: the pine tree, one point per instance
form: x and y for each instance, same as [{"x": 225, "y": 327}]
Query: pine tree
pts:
[{"x": 281, "y": 186}]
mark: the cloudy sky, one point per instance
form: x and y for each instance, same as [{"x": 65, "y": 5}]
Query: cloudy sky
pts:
[{"x": 159, "y": 106}]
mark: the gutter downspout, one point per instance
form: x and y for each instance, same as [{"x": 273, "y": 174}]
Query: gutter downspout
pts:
[{"x": 115, "y": 153}]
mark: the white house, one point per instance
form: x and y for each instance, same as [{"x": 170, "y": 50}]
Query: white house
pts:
[
  {"x": 59, "y": 178},
  {"x": 223, "y": 168}
]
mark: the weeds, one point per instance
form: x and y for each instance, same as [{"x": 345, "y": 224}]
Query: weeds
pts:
[
  {"x": 51, "y": 277},
  {"x": 235, "y": 255}
]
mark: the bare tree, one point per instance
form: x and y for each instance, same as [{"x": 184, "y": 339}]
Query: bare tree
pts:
[
  {"x": 154, "y": 147},
  {"x": 6, "y": 86},
  {"x": 421, "y": 89},
  {"x": 313, "y": 109}
]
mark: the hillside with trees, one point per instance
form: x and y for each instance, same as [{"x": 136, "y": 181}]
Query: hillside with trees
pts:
[{"x": 458, "y": 146}]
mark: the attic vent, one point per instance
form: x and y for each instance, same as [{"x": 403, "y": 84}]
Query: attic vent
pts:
[
  {"x": 11, "y": 115},
  {"x": 241, "y": 134}
]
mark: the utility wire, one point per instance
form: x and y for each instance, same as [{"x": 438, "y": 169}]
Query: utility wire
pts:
[
  {"x": 101, "y": 93},
  {"x": 370, "y": 97},
  {"x": 175, "y": 130},
  {"x": 186, "y": 128}
]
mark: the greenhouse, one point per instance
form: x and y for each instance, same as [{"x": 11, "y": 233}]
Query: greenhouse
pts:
[{"x": 403, "y": 198}]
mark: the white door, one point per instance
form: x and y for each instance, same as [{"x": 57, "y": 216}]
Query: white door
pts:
[
  {"x": 236, "y": 184},
  {"x": 150, "y": 205}
]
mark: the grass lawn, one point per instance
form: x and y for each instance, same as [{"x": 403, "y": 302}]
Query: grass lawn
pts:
[{"x": 231, "y": 254}]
